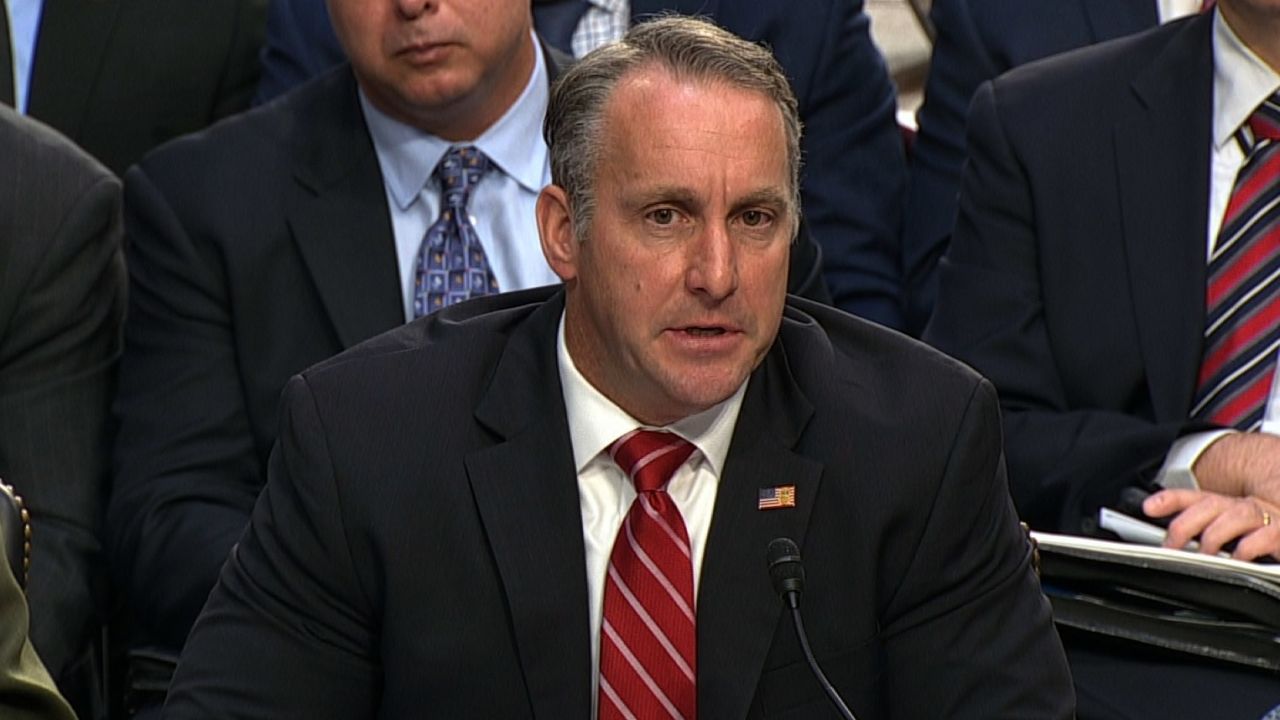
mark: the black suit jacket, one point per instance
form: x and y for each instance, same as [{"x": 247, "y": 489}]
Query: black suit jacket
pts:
[
  {"x": 256, "y": 249},
  {"x": 122, "y": 76},
  {"x": 854, "y": 173},
  {"x": 1076, "y": 278},
  {"x": 418, "y": 550},
  {"x": 62, "y": 300},
  {"x": 978, "y": 40}
]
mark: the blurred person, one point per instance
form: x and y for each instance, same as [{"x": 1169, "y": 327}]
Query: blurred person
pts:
[
  {"x": 437, "y": 534},
  {"x": 854, "y": 174},
  {"x": 26, "y": 690},
  {"x": 976, "y": 41},
  {"x": 119, "y": 77},
  {"x": 1112, "y": 274},
  {"x": 62, "y": 301}
]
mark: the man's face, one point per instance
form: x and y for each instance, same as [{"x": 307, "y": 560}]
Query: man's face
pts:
[
  {"x": 676, "y": 292},
  {"x": 449, "y": 67}
]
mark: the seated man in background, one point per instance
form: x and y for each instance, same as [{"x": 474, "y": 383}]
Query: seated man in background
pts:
[
  {"x": 62, "y": 300},
  {"x": 374, "y": 194},
  {"x": 854, "y": 173},
  {"x": 557, "y": 503},
  {"x": 1113, "y": 274},
  {"x": 119, "y": 77},
  {"x": 977, "y": 40}
]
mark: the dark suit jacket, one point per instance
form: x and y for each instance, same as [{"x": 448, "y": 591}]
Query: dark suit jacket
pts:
[
  {"x": 1076, "y": 278},
  {"x": 62, "y": 296},
  {"x": 854, "y": 173},
  {"x": 976, "y": 41},
  {"x": 122, "y": 76},
  {"x": 418, "y": 550},
  {"x": 256, "y": 249}
]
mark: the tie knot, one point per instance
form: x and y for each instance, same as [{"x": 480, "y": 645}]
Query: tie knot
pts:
[
  {"x": 459, "y": 171},
  {"x": 1264, "y": 123},
  {"x": 650, "y": 457}
]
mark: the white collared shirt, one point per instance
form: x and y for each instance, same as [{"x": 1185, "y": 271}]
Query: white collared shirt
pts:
[
  {"x": 1241, "y": 81},
  {"x": 1167, "y": 10},
  {"x": 502, "y": 205},
  {"x": 605, "y": 493}
]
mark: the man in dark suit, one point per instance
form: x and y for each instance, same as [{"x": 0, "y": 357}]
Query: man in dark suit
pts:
[
  {"x": 437, "y": 535},
  {"x": 854, "y": 177},
  {"x": 278, "y": 239},
  {"x": 976, "y": 41},
  {"x": 119, "y": 77},
  {"x": 62, "y": 296},
  {"x": 1097, "y": 186}
]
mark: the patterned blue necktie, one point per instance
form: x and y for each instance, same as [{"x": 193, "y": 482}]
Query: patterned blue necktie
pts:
[{"x": 451, "y": 264}]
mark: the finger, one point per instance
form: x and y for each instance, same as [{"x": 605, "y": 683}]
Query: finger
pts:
[
  {"x": 1236, "y": 519},
  {"x": 1263, "y": 541},
  {"x": 1168, "y": 502},
  {"x": 1194, "y": 519}
]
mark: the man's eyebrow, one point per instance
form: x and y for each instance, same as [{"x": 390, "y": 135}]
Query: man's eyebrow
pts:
[
  {"x": 674, "y": 194},
  {"x": 768, "y": 197}
]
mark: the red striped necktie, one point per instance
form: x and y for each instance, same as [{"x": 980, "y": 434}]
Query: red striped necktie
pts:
[
  {"x": 1242, "y": 334},
  {"x": 648, "y": 657}
]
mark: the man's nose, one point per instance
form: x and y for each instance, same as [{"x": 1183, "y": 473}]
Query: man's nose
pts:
[{"x": 713, "y": 263}]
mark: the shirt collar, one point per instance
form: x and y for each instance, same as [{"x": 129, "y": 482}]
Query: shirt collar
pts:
[
  {"x": 595, "y": 421},
  {"x": 1241, "y": 81},
  {"x": 514, "y": 143}
]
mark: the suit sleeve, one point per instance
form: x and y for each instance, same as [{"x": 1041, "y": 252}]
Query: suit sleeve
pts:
[
  {"x": 959, "y": 64},
  {"x": 855, "y": 170},
  {"x": 186, "y": 468},
  {"x": 57, "y": 369},
  {"x": 290, "y": 589},
  {"x": 1065, "y": 460},
  {"x": 26, "y": 690},
  {"x": 968, "y": 633}
]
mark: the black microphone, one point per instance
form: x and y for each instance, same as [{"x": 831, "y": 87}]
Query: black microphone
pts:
[{"x": 787, "y": 573}]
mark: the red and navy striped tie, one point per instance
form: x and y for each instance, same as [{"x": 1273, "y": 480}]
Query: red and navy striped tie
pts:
[
  {"x": 1242, "y": 334},
  {"x": 648, "y": 657}
]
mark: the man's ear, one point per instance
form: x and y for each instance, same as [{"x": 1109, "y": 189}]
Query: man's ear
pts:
[{"x": 555, "y": 228}]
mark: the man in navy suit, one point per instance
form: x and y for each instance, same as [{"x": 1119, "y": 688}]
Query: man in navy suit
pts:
[
  {"x": 1095, "y": 192},
  {"x": 976, "y": 41},
  {"x": 437, "y": 534},
  {"x": 854, "y": 177}
]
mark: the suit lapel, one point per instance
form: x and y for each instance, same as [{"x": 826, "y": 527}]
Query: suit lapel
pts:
[
  {"x": 1116, "y": 18},
  {"x": 738, "y": 610},
  {"x": 340, "y": 221},
  {"x": 1162, "y": 150},
  {"x": 73, "y": 36},
  {"x": 526, "y": 490}
]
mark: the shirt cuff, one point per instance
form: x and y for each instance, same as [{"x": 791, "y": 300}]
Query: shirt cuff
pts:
[{"x": 1176, "y": 471}]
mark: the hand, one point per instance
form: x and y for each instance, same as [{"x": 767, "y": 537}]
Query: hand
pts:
[
  {"x": 1217, "y": 520},
  {"x": 1241, "y": 464}
]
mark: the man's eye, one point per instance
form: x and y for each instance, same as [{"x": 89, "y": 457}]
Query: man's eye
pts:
[
  {"x": 663, "y": 216},
  {"x": 755, "y": 218}
]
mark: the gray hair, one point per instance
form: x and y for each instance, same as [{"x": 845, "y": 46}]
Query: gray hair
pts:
[{"x": 689, "y": 48}]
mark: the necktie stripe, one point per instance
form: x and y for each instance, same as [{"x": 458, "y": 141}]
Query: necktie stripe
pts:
[
  {"x": 641, "y": 673},
  {"x": 681, "y": 543},
  {"x": 677, "y": 655},
  {"x": 1242, "y": 293},
  {"x": 665, "y": 583},
  {"x": 614, "y": 701}
]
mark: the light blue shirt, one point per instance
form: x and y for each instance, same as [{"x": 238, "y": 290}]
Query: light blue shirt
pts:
[
  {"x": 502, "y": 205},
  {"x": 24, "y": 26}
]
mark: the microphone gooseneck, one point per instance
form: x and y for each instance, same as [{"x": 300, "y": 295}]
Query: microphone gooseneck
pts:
[{"x": 786, "y": 571}]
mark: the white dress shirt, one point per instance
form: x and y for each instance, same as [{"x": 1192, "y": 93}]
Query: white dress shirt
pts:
[
  {"x": 501, "y": 206},
  {"x": 1241, "y": 81},
  {"x": 1167, "y": 10},
  {"x": 605, "y": 493}
]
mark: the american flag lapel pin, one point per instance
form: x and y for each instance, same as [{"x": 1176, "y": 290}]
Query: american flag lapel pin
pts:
[{"x": 780, "y": 496}]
